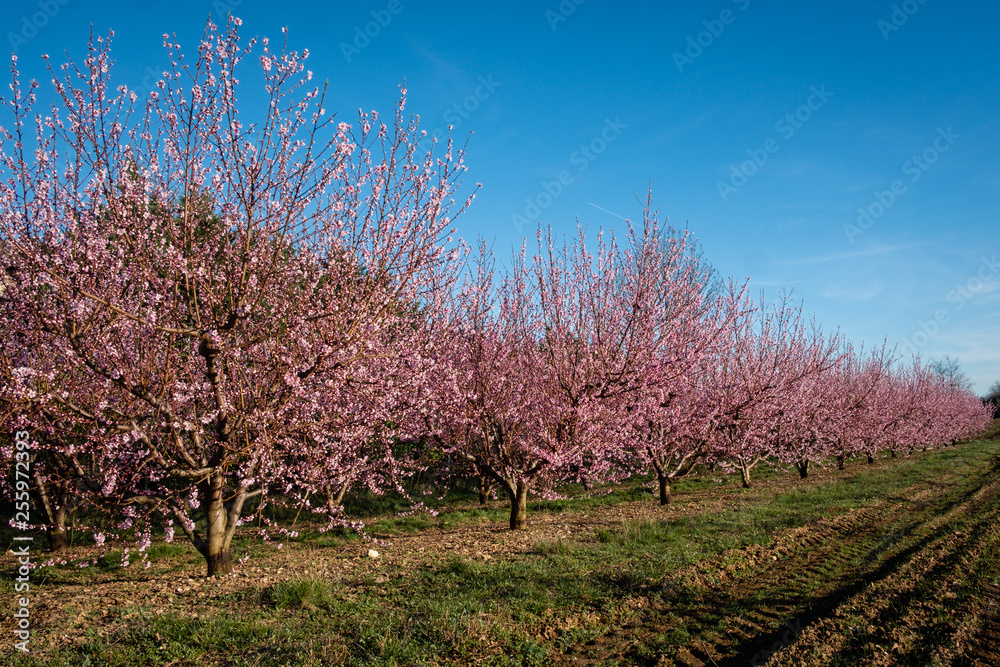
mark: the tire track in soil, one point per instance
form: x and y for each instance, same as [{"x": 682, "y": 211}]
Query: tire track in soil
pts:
[
  {"x": 909, "y": 613},
  {"x": 984, "y": 646},
  {"x": 786, "y": 611},
  {"x": 829, "y": 556},
  {"x": 753, "y": 624}
]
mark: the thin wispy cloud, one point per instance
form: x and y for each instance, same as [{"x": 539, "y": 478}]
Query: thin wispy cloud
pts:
[
  {"x": 845, "y": 292},
  {"x": 686, "y": 128},
  {"x": 839, "y": 257}
]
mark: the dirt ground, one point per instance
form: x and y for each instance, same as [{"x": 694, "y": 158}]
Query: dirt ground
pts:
[{"x": 907, "y": 591}]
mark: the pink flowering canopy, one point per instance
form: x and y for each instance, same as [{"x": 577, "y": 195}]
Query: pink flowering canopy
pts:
[
  {"x": 215, "y": 299},
  {"x": 211, "y": 306}
]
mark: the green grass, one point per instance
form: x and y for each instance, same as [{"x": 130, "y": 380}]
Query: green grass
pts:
[
  {"x": 310, "y": 593},
  {"x": 502, "y": 612}
]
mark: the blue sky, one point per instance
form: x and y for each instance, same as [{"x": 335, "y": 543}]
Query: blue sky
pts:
[{"x": 763, "y": 126}]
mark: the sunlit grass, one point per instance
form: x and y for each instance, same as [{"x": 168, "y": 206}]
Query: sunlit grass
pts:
[{"x": 462, "y": 611}]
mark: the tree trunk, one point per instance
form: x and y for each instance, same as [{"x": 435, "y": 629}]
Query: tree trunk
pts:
[
  {"x": 519, "y": 506},
  {"x": 840, "y": 462},
  {"x": 339, "y": 500},
  {"x": 745, "y": 475},
  {"x": 666, "y": 497},
  {"x": 56, "y": 511},
  {"x": 892, "y": 453},
  {"x": 485, "y": 486},
  {"x": 871, "y": 459},
  {"x": 58, "y": 539},
  {"x": 803, "y": 466},
  {"x": 220, "y": 563},
  {"x": 58, "y": 536},
  {"x": 215, "y": 546}
]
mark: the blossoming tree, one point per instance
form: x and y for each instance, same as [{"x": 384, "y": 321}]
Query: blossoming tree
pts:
[{"x": 213, "y": 276}]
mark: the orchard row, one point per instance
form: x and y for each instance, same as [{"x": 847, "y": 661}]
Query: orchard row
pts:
[{"x": 208, "y": 309}]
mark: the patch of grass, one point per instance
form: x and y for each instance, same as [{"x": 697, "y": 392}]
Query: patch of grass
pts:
[
  {"x": 172, "y": 637},
  {"x": 503, "y": 612},
  {"x": 111, "y": 560},
  {"x": 162, "y": 550},
  {"x": 559, "y": 547},
  {"x": 309, "y": 593},
  {"x": 404, "y": 524}
]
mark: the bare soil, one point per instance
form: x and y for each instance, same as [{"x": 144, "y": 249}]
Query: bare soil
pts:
[{"x": 841, "y": 590}]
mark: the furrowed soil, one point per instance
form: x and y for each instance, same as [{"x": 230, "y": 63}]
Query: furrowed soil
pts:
[{"x": 894, "y": 563}]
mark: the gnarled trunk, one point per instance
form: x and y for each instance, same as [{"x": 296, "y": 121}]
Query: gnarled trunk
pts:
[
  {"x": 485, "y": 487},
  {"x": 665, "y": 474},
  {"x": 220, "y": 562},
  {"x": 58, "y": 539},
  {"x": 222, "y": 512},
  {"x": 216, "y": 545},
  {"x": 335, "y": 499},
  {"x": 803, "y": 467},
  {"x": 515, "y": 488},
  {"x": 745, "y": 468},
  {"x": 666, "y": 497},
  {"x": 56, "y": 500},
  {"x": 518, "y": 506},
  {"x": 58, "y": 535}
]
